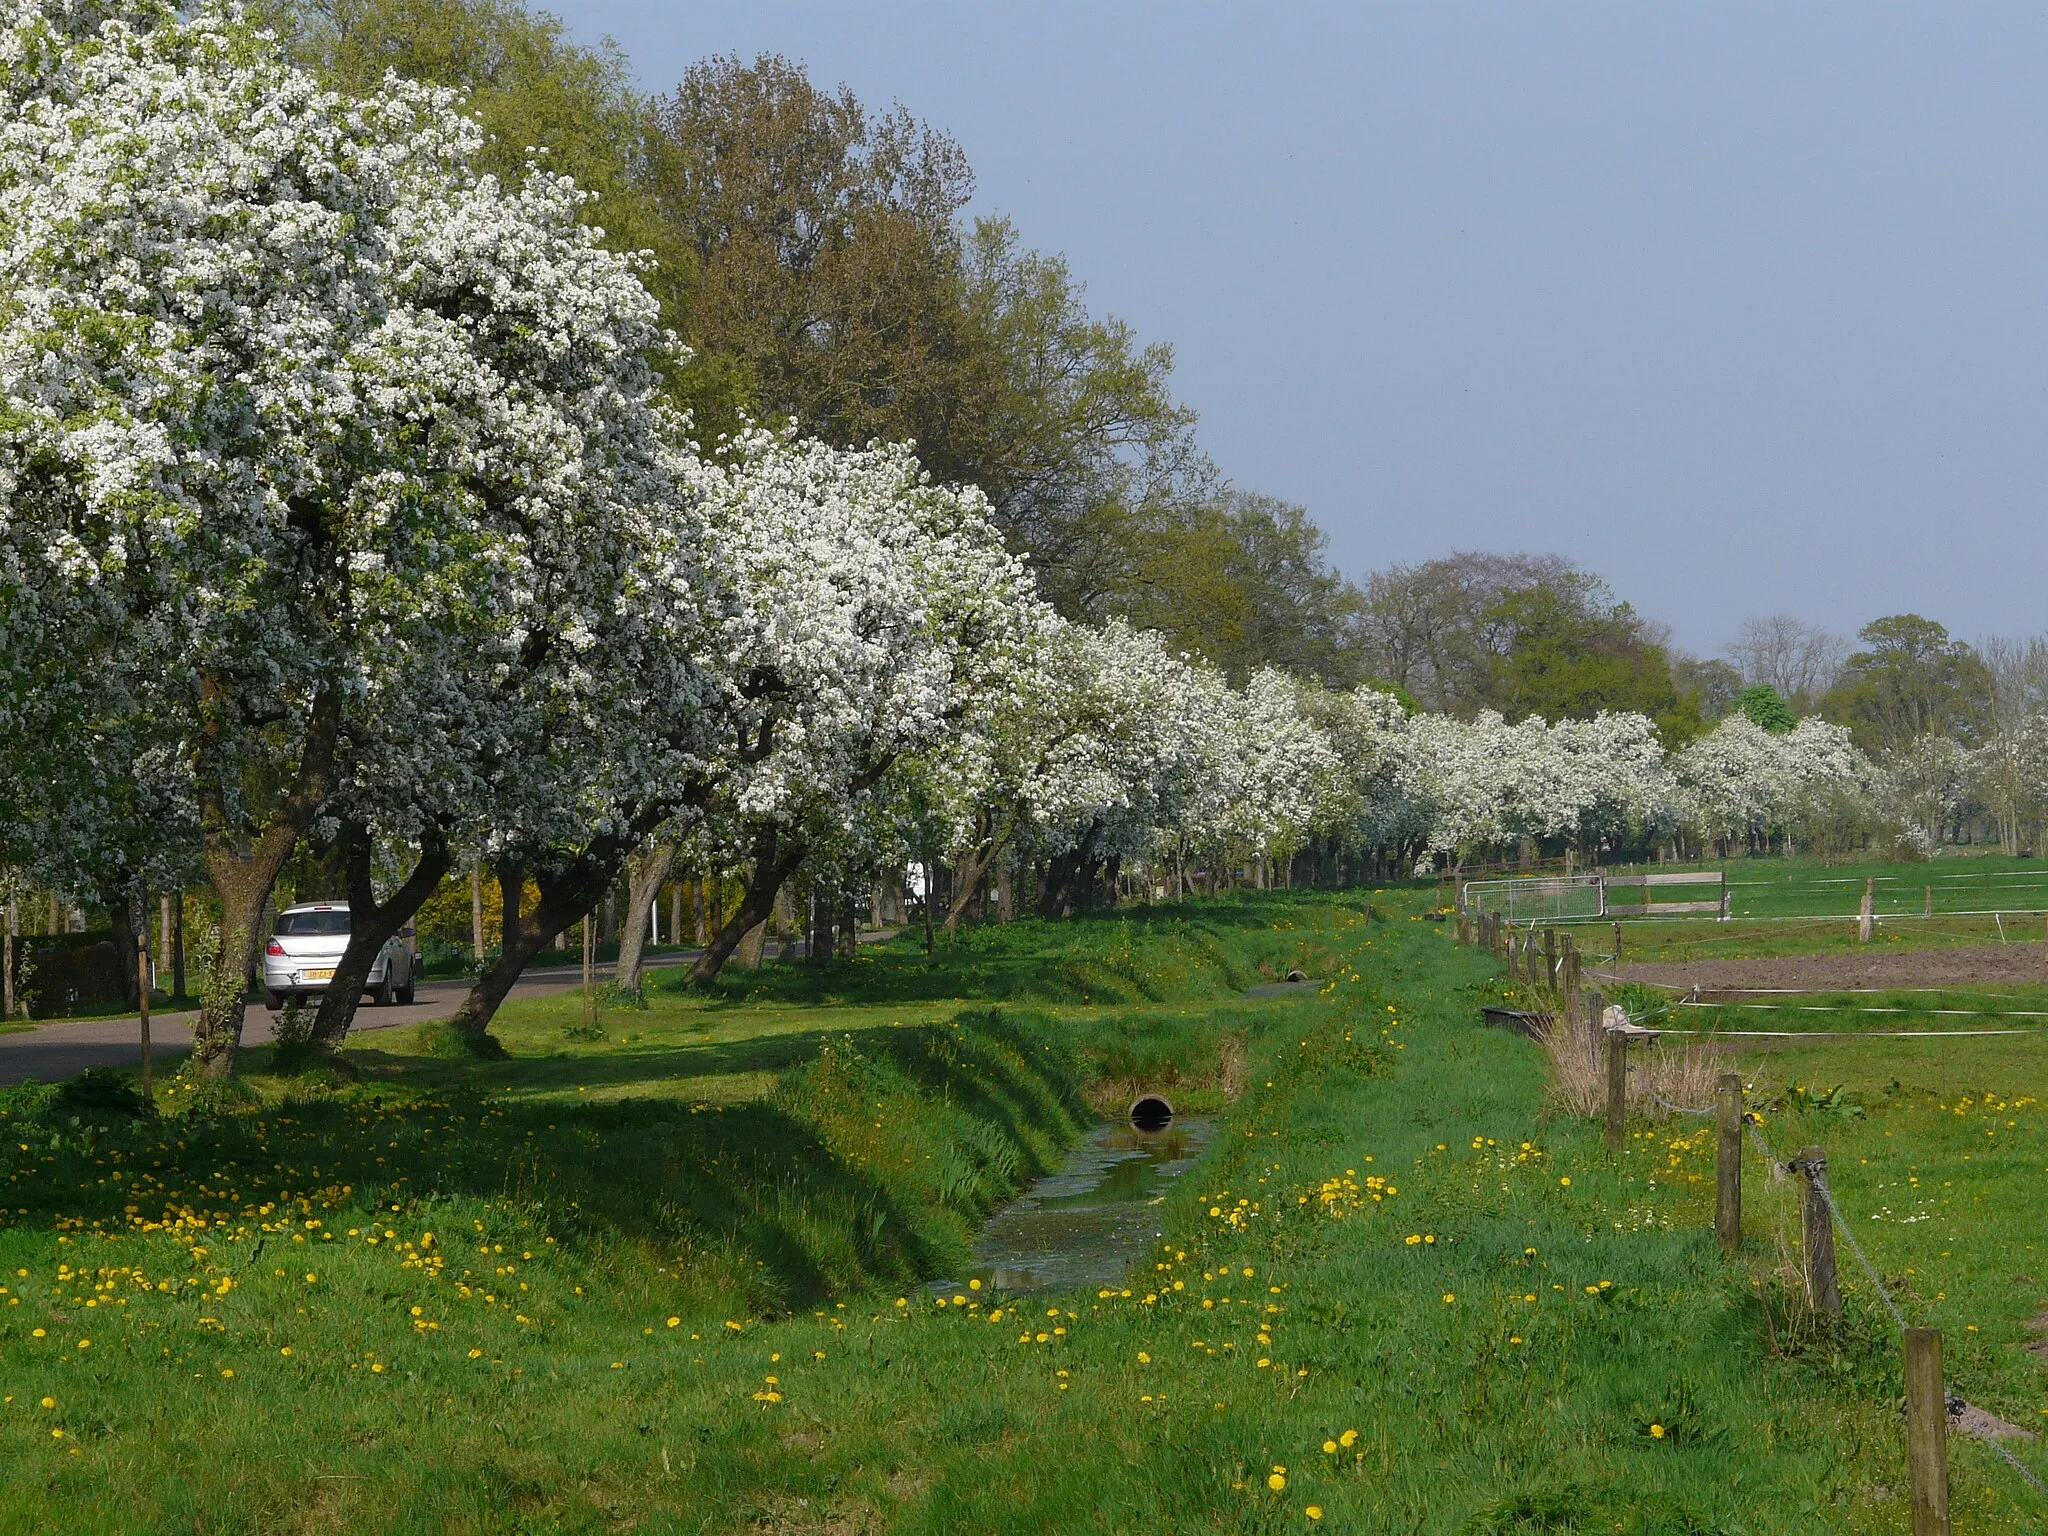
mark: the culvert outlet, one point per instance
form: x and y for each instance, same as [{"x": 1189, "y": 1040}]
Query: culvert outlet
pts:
[{"x": 1151, "y": 1113}]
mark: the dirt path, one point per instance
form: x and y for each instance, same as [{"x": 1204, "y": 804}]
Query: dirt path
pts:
[{"x": 1973, "y": 965}]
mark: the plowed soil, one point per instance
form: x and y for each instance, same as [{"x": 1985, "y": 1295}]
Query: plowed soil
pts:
[{"x": 1974, "y": 965}]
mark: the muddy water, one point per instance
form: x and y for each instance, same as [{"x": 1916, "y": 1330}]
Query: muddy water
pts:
[{"x": 1089, "y": 1222}]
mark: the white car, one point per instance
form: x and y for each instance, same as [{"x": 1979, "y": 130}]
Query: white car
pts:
[{"x": 307, "y": 945}]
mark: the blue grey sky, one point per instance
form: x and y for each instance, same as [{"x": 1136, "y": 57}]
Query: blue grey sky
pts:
[{"x": 1741, "y": 305}]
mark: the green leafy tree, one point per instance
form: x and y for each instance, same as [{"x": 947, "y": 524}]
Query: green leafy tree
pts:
[
  {"x": 1910, "y": 680},
  {"x": 1766, "y": 710},
  {"x": 1247, "y": 586},
  {"x": 1561, "y": 649}
]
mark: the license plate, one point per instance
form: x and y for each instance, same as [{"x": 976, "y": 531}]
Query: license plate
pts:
[{"x": 326, "y": 975}]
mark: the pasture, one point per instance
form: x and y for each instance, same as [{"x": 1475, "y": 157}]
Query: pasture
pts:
[{"x": 678, "y": 1277}]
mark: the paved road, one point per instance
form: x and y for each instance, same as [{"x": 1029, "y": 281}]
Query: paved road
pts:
[{"x": 66, "y": 1048}]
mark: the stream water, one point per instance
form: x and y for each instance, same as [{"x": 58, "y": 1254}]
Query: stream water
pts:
[{"x": 1087, "y": 1223}]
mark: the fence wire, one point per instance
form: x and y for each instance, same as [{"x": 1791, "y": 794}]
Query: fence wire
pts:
[{"x": 1817, "y": 1175}]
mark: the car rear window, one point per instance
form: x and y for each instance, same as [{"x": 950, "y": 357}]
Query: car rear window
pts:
[{"x": 299, "y": 924}]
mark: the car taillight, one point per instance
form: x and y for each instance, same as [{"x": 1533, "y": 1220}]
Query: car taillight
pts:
[{"x": 273, "y": 948}]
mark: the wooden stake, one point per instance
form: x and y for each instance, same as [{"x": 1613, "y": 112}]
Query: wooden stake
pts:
[
  {"x": 1728, "y": 1162},
  {"x": 1926, "y": 1432},
  {"x": 1864, "y": 917},
  {"x": 1617, "y": 1089},
  {"x": 589, "y": 998},
  {"x": 1927, "y": 908},
  {"x": 1617, "y": 941},
  {"x": 1821, "y": 1287},
  {"x": 142, "y": 993}
]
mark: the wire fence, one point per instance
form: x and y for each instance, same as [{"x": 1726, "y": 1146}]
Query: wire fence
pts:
[{"x": 1817, "y": 1175}]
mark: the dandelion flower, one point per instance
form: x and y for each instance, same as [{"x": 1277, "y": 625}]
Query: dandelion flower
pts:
[
  {"x": 1314, "y": 1511},
  {"x": 1143, "y": 1358},
  {"x": 49, "y": 1402},
  {"x": 1329, "y": 1447},
  {"x": 1348, "y": 1438},
  {"x": 1566, "y": 1181},
  {"x": 1449, "y": 1297},
  {"x": 675, "y": 1322},
  {"x": 1657, "y": 1431}
]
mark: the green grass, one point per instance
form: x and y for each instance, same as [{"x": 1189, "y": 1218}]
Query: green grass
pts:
[{"x": 673, "y": 1279}]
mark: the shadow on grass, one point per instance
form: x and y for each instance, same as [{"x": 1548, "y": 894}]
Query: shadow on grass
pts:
[
  {"x": 871, "y": 1164},
  {"x": 1179, "y": 952}
]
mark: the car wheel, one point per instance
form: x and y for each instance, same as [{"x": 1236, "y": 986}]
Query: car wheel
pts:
[
  {"x": 273, "y": 1000},
  {"x": 382, "y": 992},
  {"x": 405, "y": 993}
]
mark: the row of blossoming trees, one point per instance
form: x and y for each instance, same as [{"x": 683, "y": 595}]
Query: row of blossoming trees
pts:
[{"x": 339, "y": 501}]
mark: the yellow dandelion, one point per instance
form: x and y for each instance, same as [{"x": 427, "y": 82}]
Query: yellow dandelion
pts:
[
  {"x": 1657, "y": 1431},
  {"x": 1314, "y": 1511},
  {"x": 49, "y": 1402},
  {"x": 1276, "y": 1481}
]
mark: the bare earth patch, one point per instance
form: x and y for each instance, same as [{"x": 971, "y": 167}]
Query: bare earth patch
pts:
[{"x": 1954, "y": 967}]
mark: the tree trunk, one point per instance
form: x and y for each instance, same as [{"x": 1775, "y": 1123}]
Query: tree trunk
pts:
[
  {"x": 647, "y": 872},
  {"x": 699, "y": 933},
  {"x": 371, "y": 925},
  {"x": 972, "y": 867},
  {"x": 1071, "y": 879},
  {"x": 1006, "y": 893},
  {"x": 569, "y": 890},
  {"x": 675, "y": 913},
  {"x": 243, "y": 874},
  {"x": 126, "y": 940},
  {"x": 178, "y": 945},
  {"x": 10, "y": 917},
  {"x": 753, "y": 943},
  {"x": 476, "y": 913},
  {"x": 774, "y": 862},
  {"x": 818, "y": 936}
]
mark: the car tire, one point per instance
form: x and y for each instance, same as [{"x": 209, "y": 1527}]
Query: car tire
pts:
[
  {"x": 405, "y": 993},
  {"x": 274, "y": 1001},
  {"x": 381, "y": 993}
]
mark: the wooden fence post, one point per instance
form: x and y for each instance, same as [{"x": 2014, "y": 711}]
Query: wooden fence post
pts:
[
  {"x": 1926, "y": 1432},
  {"x": 1572, "y": 979},
  {"x": 1617, "y": 1089},
  {"x": 1864, "y": 918},
  {"x": 1550, "y": 957},
  {"x": 1728, "y": 1162},
  {"x": 1927, "y": 908},
  {"x": 1821, "y": 1287},
  {"x": 1617, "y": 941}
]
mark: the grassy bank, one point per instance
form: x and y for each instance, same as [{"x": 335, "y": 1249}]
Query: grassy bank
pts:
[{"x": 666, "y": 1280}]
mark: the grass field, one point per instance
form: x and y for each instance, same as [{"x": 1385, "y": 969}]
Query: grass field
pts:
[{"x": 669, "y": 1279}]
